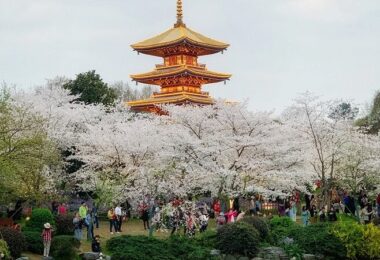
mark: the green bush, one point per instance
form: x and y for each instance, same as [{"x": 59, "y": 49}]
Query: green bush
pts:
[
  {"x": 4, "y": 250},
  {"x": 143, "y": 247},
  {"x": 318, "y": 239},
  {"x": 138, "y": 247},
  {"x": 361, "y": 241},
  {"x": 64, "y": 225},
  {"x": 238, "y": 238},
  {"x": 185, "y": 248},
  {"x": 64, "y": 247},
  {"x": 34, "y": 242},
  {"x": 15, "y": 240},
  {"x": 39, "y": 217},
  {"x": 280, "y": 228},
  {"x": 206, "y": 239},
  {"x": 259, "y": 224}
]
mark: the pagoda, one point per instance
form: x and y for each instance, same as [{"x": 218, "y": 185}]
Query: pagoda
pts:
[{"x": 180, "y": 77}]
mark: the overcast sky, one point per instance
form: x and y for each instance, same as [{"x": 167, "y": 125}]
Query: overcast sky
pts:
[{"x": 279, "y": 48}]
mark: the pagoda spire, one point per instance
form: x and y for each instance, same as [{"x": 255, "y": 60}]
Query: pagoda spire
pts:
[{"x": 179, "y": 14}]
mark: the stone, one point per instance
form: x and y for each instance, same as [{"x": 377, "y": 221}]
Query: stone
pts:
[
  {"x": 23, "y": 258},
  {"x": 309, "y": 257},
  {"x": 215, "y": 252},
  {"x": 89, "y": 256},
  {"x": 273, "y": 253}
]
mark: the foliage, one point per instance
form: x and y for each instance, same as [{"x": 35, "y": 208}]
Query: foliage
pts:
[
  {"x": 372, "y": 121},
  {"x": 259, "y": 224},
  {"x": 4, "y": 250},
  {"x": 39, "y": 217},
  {"x": 206, "y": 239},
  {"x": 64, "y": 224},
  {"x": 27, "y": 156},
  {"x": 91, "y": 88},
  {"x": 34, "y": 242},
  {"x": 317, "y": 239},
  {"x": 142, "y": 247},
  {"x": 280, "y": 228},
  {"x": 64, "y": 247},
  {"x": 238, "y": 238},
  {"x": 361, "y": 241},
  {"x": 15, "y": 240}
]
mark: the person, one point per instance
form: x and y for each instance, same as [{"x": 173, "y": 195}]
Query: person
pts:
[
  {"x": 62, "y": 209},
  {"x": 216, "y": 207},
  {"x": 95, "y": 245},
  {"x": 258, "y": 206},
  {"x": 305, "y": 216},
  {"x": 112, "y": 218},
  {"x": 220, "y": 220},
  {"x": 363, "y": 201},
  {"x": 54, "y": 207},
  {"x": 119, "y": 218},
  {"x": 155, "y": 221},
  {"x": 293, "y": 211},
  {"x": 281, "y": 208},
  {"x": 83, "y": 211},
  {"x": 313, "y": 214},
  {"x": 365, "y": 214},
  {"x": 46, "y": 238},
  {"x": 203, "y": 221},
  {"x": 190, "y": 224},
  {"x": 144, "y": 214},
  {"x": 332, "y": 215},
  {"x": 231, "y": 215},
  {"x": 240, "y": 216},
  {"x": 378, "y": 205},
  {"x": 322, "y": 215},
  {"x": 90, "y": 226},
  {"x": 95, "y": 216},
  {"x": 252, "y": 206},
  {"x": 77, "y": 221}
]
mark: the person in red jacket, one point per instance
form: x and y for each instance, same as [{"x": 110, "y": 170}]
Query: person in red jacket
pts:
[{"x": 216, "y": 207}]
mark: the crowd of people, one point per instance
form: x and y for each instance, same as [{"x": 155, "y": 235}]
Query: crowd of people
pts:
[{"x": 178, "y": 215}]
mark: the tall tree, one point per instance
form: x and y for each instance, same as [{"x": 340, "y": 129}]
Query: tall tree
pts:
[{"x": 91, "y": 89}]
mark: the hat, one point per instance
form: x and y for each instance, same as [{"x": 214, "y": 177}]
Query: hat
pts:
[{"x": 47, "y": 225}]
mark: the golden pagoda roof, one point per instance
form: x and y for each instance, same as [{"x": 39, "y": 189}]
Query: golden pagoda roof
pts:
[
  {"x": 177, "y": 70},
  {"x": 174, "y": 98},
  {"x": 177, "y": 35}
]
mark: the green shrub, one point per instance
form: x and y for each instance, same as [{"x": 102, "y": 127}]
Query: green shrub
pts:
[
  {"x": 138, "y": 247},
  {"x": 143, "y": 247},
  {"x": 4, "y": 250},
  {"x": 186, "y": 248},
  {"x": 280, "y": 228},
  {"x": 238, "y": 238},
  {"x": 361, "y": 241},
  {"x": 318, "y": 239},
  {"x": 34, "y": 242},
  {"x": 64, "y": 247},
  {"x": 39, "y": 217},
  {"x": 259, "y": 224},
  {"x": 64, "y": 225},
  {"x": 206, "y": 239},
  {"x": 15, "y": 240}
]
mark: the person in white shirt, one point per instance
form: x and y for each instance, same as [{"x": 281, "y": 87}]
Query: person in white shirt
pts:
[{"x": 119, "y": 218}]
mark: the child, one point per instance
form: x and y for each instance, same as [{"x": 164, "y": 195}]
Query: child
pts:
[
  {"x": 220, "y": 220},
  {"x": 95, "y": 246},
  {"x": 46, "y": 238}
]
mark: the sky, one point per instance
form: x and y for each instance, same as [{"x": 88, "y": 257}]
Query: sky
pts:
[{"x": 279, "y": 48}]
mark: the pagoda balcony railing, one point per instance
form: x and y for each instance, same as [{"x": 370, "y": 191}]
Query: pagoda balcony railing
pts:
[
  {"x": 176, "y": 92},
  {"x": 163, "y": 66}
]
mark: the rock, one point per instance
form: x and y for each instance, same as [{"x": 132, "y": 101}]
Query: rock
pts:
[
  {"x": 89, "y": 256},
  {"x": 47, "y": 258},
  {"x": 273, "y": 253},
  {"x": 230, "y": 257},
  {"x": 309, "y": 257},
  {"x": 23, "y": 258},
  {"x": 215, "y": 252}
]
